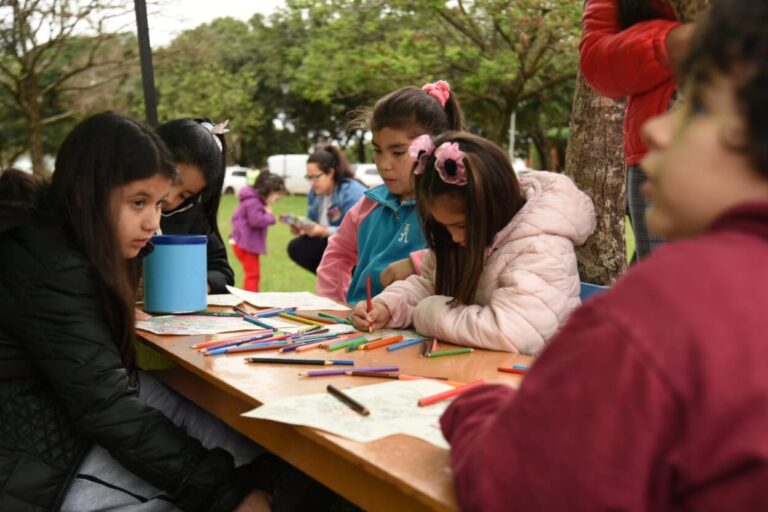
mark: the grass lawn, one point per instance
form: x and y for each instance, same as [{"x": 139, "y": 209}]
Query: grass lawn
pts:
[{"x": 278, "y": 272}]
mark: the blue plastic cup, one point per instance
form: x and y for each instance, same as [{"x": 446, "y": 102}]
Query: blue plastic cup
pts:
[{"x": 176, "y": 274}]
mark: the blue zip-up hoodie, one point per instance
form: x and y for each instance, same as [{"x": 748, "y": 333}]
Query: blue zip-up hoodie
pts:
[{"x": 377, "y": 231}]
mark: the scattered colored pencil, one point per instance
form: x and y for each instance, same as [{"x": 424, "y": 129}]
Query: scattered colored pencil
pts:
[
  {"x": 259, "y": 323},
  {"x": 347, "y": 343},
  {"x": 439, "y": 397},
  {"x": 328, "y": 373},
  {"x": 368, "y": 303},
  {"x": 234, "y": 343},
  {"x": 243, "y": 338},
  {"x": 360, "y": 343},
  {"x": 246, "y": 348},
  {"x": 210, "y": 313},
  {"x": 345, "y": 398},
  {"x": 240, "y": 310},
  {"x": 299, "y": 319},
  {"x": 335, "y": 319},
  {"x": 285, "y": 360},
  {"x": 266, "y": 313},
  {"x": 518, "y": 369},
  {"x": 312, "y": 318},
  {"x": 425, "y": 349},
  {"x": 382, "y": 343},
  {"x": 406, "y": 343},
  {"x": 379, "y": 375},
  {"x": 450, "y": 352}
]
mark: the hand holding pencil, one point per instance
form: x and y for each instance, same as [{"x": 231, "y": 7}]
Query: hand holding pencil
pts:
[{"x": 377, "y": 318}]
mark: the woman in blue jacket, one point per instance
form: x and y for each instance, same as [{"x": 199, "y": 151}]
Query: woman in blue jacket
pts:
[{"x": 334, "y": 191}]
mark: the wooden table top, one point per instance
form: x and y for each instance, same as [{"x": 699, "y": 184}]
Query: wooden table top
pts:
[{"x": 397, "y": 471}]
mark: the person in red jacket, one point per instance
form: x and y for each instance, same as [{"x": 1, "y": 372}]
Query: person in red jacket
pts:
[
  {"x": 629, "y": 48},
  {"x": 654, "y": 395}
]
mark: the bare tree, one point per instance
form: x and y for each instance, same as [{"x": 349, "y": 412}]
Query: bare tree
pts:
[{"x": 34, "y": 36}]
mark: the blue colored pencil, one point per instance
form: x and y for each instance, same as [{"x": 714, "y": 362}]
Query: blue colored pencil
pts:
[
  {"x": 240, "y": 342},
  {"x": 259, "y": 323},
  {"x": 268, "y": 314},
  {"x": 406, "y": 343},
  {"x": 247, "y": 348}
]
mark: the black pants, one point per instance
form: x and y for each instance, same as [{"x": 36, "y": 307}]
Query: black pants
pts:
[{"x": 307, "y": 251}]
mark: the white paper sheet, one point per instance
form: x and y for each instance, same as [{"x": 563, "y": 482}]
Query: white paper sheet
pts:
[
  {"x": 301, "y": 300},
  {"x": 224, "y": 299},
  {"x": 393, "y": 405}
]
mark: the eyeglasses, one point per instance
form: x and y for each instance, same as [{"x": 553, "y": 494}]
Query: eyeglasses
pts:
[{"x": 313, "y": 177}]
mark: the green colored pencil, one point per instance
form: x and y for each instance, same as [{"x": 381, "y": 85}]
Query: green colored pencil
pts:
[
  {"x": 450, "y": 352},
  {"x": 346, "y": 343},
  {"x": 334, "y": 318}
]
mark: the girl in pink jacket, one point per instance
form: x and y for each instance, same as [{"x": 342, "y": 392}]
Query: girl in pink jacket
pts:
[{"x": 501, "y": 271}]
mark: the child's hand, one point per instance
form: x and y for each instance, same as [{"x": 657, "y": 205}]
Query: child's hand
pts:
[
  {"x": 379, "y": 316},
  {"x": 295, "y": 230},
  {"x": 316, "y": 230},
  {"x": 397, "y": 271}
]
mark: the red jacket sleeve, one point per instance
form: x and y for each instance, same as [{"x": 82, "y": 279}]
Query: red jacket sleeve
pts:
[
  {"x": 618, "y": 63},
  {"x": 589, "y": 429}
]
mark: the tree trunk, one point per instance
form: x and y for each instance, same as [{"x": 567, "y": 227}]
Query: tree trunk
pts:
[
  {"x": 35, "y": 126},
  {"x": 686, "y": 10},
  {"x": 595, "y": 160}
]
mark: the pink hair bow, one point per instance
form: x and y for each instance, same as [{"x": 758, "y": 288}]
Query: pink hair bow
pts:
[
  {"x": 420, "y": 150},
  {"x": 449, "y": 162},
  {"x": 216, "y": 129},
  {"x": 440, "y": 90}
]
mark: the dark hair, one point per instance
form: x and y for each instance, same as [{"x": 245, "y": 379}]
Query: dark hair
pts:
[
  {"x": 632, "y": 12},
  {"x": 330, "y": 157},
  {"x": 413, "y": 109},
  {"x": 19, "y": 189},
  {"x": 491, "y": 197},
  {"x": 193, "y": 143},
  {"x": 103, "y": 152},
  {"x": 267, "y": 182},
  {"x": 731, "y": 39}
]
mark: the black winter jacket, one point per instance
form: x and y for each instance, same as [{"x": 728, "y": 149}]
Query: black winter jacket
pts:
[
  {"x": 63, "y": 388},
  {"x": 189, "y": 219}
]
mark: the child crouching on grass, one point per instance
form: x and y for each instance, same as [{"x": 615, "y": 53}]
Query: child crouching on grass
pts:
[{"x": 654, "y": 394}]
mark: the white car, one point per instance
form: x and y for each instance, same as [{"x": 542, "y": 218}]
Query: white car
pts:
[
  {"x": 368, "y": 174},
  {"x": 235, "y": 178}
]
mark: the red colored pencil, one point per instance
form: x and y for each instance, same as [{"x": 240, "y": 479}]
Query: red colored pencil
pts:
[
  {"x": 439, "y": 397},
  {"x": 369, "y": 304}
]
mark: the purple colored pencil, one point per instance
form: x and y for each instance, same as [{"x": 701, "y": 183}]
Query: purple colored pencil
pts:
[
  {"x": 328, "y": 373},
  {"x": 238, "y": 342}
]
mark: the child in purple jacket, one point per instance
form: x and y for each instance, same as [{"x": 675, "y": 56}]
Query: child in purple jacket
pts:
[{"x": 250, "y": 222}]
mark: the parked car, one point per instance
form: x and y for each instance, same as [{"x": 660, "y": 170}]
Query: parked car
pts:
[
  {"x": 292, "y": 168},
  {"x": 235, "y": 178},
  {"x": 368, "y": 174}
]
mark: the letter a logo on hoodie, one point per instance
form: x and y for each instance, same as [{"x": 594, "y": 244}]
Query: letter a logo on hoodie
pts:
[{"x": 404, "y": 233}]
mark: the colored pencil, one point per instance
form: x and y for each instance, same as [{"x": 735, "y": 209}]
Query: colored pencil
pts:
[
  {"x": 285, "y": 360},
  {"x": 210, "y": 313},
  {"x": 289, "y": 316},
  {"x": 342, "y": 337},
  {"x": 310, "y": 346},
  {"x": 234, "y": 343},
  {"x": 406, "y": 343},
  {"x": 246, "y": 348},
  {"x": 450, "y": 352},
  {"x": 425, "y": 349},
  {"x": 311, "y": 318},
  {"x": 328, "y": 373},
  {"x": 335, "y": 319},
  {"x": 259, "y": 323},
  {"x": 345, "y": 398},
  {"x": 240, "y": 310},
  {"x": 298, "y": 344},
  {"x": 518, "y": 369},
  {"x": 433, "y": 347},
  {"x": 382, "y": 343},
  {"x": 368, "y": 303},
  {"x": 272, "y": 312},
  {"x": 359, "y": 343},
  {"x": 404, "y": 376},
  {"x": 439, "y": 397},
  {"x": 346, "y": 343},
  {"x": 379, "y": 375},
  {"x": 244, "y": 337}
]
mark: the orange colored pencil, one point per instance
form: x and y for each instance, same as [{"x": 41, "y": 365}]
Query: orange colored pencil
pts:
[
  {"x": 211, "y": 343},
  {"x": 439, "y": 397},
  {"x": 381, "y": 343},
  {"x": 312, "y": 318}
]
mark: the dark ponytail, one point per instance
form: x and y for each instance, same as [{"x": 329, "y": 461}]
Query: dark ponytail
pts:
[
  {"x": 632, "y": 12},
  {"x": 331, "y": 157}
]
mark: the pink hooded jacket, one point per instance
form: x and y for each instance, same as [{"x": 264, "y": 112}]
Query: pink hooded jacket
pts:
[{"x": 530, "y": 282}]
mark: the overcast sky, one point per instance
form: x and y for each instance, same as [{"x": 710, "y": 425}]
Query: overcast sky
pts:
[{"x": 174, "y": 16}]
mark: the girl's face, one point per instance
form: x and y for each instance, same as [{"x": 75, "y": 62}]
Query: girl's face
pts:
[
  {"x": 395, "y": 165},
  {"x": 189, "y": 183},
  {"x": 137, "y": 206},
  {"x": 695, "y": 168},
  {"x": 322, "y": 183},
  {"x": 451, "y": 212}
]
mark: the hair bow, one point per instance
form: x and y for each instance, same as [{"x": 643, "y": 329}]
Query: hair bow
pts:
[
  {"x": 421, "y": 149},
  {"x": 216, "y": 129},
  {"x": 440, "y": 90},
  {"x": 449, "y": 162}
]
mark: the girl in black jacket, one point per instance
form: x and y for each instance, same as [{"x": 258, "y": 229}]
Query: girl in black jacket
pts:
[
  {"x": 72, "y": 416},
  {"x": 199, "y": 149}
]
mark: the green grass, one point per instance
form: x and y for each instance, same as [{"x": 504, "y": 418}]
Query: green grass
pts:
[{"x": 278, "y": 272}]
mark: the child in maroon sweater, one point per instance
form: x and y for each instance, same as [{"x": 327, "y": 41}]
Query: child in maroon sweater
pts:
[{"x": 654, "y": 396}]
